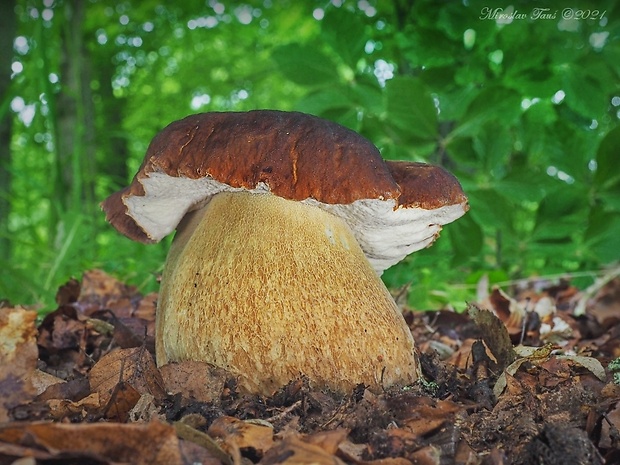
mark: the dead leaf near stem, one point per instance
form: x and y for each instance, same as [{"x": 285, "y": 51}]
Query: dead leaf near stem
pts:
[
  {"x": 494, "y": 334},
  {"x": 121, "y": 377}
]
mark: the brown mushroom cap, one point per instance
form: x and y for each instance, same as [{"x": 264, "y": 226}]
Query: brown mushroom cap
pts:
[{"x": 393, "y": 208}]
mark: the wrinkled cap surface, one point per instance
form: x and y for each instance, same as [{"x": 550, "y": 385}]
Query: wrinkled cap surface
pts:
[{"x": 393, "y": 208}]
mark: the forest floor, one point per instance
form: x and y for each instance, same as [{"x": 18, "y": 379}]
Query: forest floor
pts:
[{"x": 530, "y": 376}]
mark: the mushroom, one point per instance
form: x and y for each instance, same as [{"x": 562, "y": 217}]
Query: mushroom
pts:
[{"x": 284, "y": 222}]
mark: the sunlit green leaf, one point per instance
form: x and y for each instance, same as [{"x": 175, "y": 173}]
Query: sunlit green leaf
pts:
[
  {"x": 429, "y": 48},
  {"x": 502, "y": 106},
  {"x": 410, "y": 107},
  {"x": 345, "y": 33},
  {"x": 368, "y": 96},
  {"x": 317, "y": 103},
  {"x": 305, "y": 65}
]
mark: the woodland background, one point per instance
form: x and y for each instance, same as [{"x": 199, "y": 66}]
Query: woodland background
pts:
[{"x": 521, "y": 104}]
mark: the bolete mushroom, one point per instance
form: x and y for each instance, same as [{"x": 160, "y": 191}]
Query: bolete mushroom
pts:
[{"x": 285, "y": 222}]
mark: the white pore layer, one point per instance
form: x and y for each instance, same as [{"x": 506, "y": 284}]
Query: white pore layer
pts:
[{"x": 386, "y": 235}]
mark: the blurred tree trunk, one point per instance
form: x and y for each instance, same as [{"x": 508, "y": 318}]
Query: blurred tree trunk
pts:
[
  {"x": 112, "y": 140},
  {"x": 75, "y": 113},
  {"x": 8, "y": 28}
]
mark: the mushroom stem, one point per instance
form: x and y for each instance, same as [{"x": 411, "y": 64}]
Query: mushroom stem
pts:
[{"x": 271, "y": 289}]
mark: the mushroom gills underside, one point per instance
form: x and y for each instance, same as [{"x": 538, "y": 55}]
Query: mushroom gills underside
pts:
[{"x": 271, "y": 289}]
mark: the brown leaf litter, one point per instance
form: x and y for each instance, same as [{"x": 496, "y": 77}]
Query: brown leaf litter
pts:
[{"x": 518, "y": 379}]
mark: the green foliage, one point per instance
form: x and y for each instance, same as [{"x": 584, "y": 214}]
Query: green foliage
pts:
[
  {"x": 524, "y": 112},
  {"x": 519, "y": 122},
  {"x": 614, "y": 369}
]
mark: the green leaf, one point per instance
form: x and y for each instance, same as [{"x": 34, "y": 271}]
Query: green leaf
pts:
[
  {"x": 344, "y": 31},
  {"x": 495, "y": 104},
  {"x": 368, "y": 95},
  {"x": 414, "y": 150},
  {"x": 533, "y": 137},
  {"x": 523, "y": 186},
  {"x": 560, "y": 146},
  {"x": 583, "y": 93},
  {"x": 603, "y": 235},
  {"x": 429, "y": 48},
  {"x": 494, "y": 146},
  {"x": 317, "y": 103},
  {"x": 461, "y": 150},
  {"x": 610, "y": 200},
  {"x": 607, "y": 159},
  {"x": 411, "y": 107},
  {"x": 305, "y": 65},
  {"x": 346, "y": 116},
  {"x": 563, "y": 201},
  {"x": 541, "y": 113},
  {"x": 466, "y": 237},
  {"x": 561, "y": 213},
  {"x": 466, "y": 75},
  {"x": 491, "y": 209},
  {"x": 441, "y": 80}
]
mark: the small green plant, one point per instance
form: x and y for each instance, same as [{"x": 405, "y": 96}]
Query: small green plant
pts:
[
  {"x": 614, "y": 369},
  {"x": 429, "y": 387}
]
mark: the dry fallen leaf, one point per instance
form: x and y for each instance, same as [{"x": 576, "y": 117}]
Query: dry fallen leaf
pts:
[
  {"x": 494, "y": 334},
  {"x": 42, "y": 381},
  {"x": 145, "y": 410},
  {"x": 187, "y": 431},
  {"x": 294, "y": 451},
  {"x": 589, "y": 363},
  {"x": 199, "y": 381},
  {"x": 98, "y": 289},
  {"x": 236, "y": 435},
  {"x": 141, "y": 444},
  {"x": 610, "y": 432},
  {"x": 329, "y": 441},
  {"x": 507, "y": 309},
  {"x": 18, "y": 358},
  {"x": 538, "y": 355},
  {"x": 352, "y": 452},
  {"x": 60, "y": 409},
  {"x": 535, "y": 355},
  {"x": 121, "y": 377},
  {"x": 356, "y": 453},
  {"x": 429, "y": 416}
]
